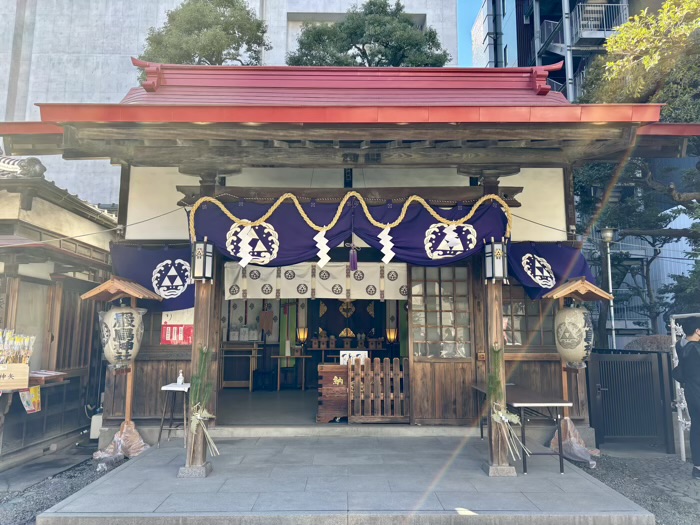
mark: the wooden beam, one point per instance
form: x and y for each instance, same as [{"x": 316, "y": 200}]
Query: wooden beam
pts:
[
  {"x": 420, "y": 144},
  {"x": 217, "y": 158},
  {"x": 124, "y": 181},
  {"x": 446, "y": 196},
  {"x": 349, "y": 132}
]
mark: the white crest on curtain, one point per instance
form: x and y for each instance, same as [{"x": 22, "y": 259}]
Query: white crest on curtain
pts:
[
  {"x": 170, "y": 278},
  {"x": 539, "y": 270},
  {"x": 443, "y": 241},
  {"x": 257, "y": 245}
]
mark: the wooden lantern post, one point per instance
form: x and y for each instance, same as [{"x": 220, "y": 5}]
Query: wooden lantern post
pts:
[
  {"x": 580, "y": 290},
  {"x": 113, "y": 290}
]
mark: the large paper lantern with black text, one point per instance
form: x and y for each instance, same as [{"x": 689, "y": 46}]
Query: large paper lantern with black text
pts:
[
  {"x": 121, "y": 331},
  {"x": 573, "y": 335}
]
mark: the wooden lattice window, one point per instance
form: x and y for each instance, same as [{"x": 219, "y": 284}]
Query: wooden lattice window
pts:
[
  {"x": 527, "y": 323},
  {"x": 440, "y": 314}
]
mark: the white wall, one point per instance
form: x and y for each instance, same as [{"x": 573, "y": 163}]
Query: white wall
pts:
[
  {"x": 152, "y": 192},
  {"x": 55, "y": 219},
  {"x": 37, "y": 270},
  {"x": 9, "y": 205},
  {"x": 542, "y": 201}
]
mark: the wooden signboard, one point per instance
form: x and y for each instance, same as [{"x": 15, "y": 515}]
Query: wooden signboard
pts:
[
  {"x": 332, "y": 392},
  {"x": 14, "y": 376}
]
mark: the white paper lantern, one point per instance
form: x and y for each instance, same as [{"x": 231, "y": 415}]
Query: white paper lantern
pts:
[
  {"x": 121, "y": 331},
  {"x": 573, "y": 334}
]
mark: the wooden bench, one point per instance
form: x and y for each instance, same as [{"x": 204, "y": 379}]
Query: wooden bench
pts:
[{"x": 529, "y": 403}]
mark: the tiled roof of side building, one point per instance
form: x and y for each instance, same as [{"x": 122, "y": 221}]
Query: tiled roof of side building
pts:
[{"x": 31, "y": 169}]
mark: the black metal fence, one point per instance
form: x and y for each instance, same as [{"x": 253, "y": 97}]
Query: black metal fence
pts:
[{"x": 630, "y": 396}]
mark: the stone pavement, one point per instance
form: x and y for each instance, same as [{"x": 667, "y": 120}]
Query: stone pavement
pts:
[{"x": 336, "y": 480}]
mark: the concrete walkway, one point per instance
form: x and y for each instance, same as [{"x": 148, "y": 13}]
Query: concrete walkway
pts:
[{"x": 335, "y": 480}]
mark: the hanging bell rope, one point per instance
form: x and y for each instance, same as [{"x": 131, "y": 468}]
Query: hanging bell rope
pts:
[{"x": 365, "y": 208}]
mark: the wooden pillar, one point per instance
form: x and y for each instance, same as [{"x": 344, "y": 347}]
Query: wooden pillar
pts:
[
  {"x": 50, "y": 357},
  {"x": 496, "y": 378},
  {"x": 12, "y": 301},
  {"x": 207, "y": 333},
  {"x": 129, "y": 403},
  {"x": 11, "y": 298}
]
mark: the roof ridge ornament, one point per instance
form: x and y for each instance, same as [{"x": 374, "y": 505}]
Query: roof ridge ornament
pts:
[
  {"x": 30, "y": 167},
  {"x": 153, "y": 72},
  {"x": 539, "y": 77}
]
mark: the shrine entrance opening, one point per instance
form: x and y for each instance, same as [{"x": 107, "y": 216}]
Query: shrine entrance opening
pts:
[{"x": 282, "y": 326}]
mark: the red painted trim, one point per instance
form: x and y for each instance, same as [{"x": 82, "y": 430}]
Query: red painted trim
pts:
[
  {"x": 30, "y": 128},
  {"x": 660, "y": 129},
  {"x": 134, "y": 113}
]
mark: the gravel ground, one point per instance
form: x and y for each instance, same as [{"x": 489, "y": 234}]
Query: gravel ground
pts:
[
  {"x": 21, "y": 508},
  {"x": 661, "y": 485}
]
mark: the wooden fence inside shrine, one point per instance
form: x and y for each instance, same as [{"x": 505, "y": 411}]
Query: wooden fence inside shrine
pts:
[{"x": 378, "y": 391}]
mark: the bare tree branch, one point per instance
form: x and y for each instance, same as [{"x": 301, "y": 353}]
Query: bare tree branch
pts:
[{"x": 682, "y": 198}]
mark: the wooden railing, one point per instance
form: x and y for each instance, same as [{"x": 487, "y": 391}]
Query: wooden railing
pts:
[{"x": 378, "y": 391}]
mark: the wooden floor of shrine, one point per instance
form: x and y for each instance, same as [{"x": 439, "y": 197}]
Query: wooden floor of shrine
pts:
[{"x": 239, "y": 406}]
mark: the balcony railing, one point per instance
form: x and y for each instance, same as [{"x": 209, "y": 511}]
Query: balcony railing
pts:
[
  {"x": 629, "y": 311},
  {"x": 600, "y": 18},
  {"x": 551, "y": 32},
  {"x": 556, "y": 86}
]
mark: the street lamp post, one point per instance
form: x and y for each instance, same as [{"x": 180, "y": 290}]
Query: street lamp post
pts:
[{"x": 607, "y": 234}]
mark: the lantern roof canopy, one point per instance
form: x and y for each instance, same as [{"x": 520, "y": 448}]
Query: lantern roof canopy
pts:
[
  {"x": 579, "y": 289},
  {"x": 119, "y": 288}
]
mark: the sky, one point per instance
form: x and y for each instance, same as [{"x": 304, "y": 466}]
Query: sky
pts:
[{"x": 466, "y": 14}]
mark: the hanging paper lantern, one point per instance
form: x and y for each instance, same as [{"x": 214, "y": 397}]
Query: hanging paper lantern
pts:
[
  {"x": 121, "y": 330},
  {"x": 573, "y": 333}
]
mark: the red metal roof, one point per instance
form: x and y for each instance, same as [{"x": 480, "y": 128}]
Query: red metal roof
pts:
[
  {"x": 170, "y": 85},
  {"x": 342, "y": 96},
  {"x": 670, "y": 129}
]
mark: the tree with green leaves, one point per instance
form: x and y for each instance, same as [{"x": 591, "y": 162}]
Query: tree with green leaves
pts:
[
  {"x": 377, "y": 34},
  {"x": 208, "y": 32},
  {"x": 655, "y": 58}
]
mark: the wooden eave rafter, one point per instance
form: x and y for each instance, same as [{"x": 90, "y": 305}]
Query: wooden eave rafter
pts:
[
  {"x": 579, "y": 289},
  {"x": 233, "y": 146},
  {"x": 119, "y": 288}
]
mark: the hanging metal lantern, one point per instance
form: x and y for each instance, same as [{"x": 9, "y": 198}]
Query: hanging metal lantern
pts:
[
  {"x": 496, "y": 260},
  {"x": 202, "y": 260},
  {"x": 121, "y": 331},
  {"x": 573, "y": 335}
]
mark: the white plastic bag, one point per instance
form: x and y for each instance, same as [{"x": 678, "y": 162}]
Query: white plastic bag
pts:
[
  {"x": 127, "y": 442},
  {"x": 574, "y": 447}
]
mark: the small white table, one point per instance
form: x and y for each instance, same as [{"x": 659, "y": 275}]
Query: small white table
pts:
[{"x": 171, "y": 391}]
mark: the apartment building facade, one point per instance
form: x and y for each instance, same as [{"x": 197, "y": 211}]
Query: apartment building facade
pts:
[{"x": 50, "y": 45}]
